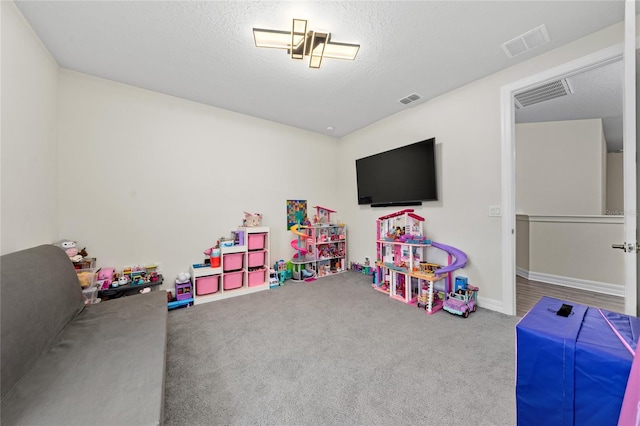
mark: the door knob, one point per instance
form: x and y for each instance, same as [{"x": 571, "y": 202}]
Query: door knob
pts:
[{"x": 622, "y": 246}]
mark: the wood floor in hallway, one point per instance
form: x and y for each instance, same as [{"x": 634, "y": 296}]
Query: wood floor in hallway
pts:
[{"x": 529, "y": 292}]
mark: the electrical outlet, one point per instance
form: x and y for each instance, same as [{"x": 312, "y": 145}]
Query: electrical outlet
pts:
[{"x": 494, "y": 211}]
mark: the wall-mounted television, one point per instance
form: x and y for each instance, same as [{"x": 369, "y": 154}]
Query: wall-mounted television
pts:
[{"x": 403, "y": 176}]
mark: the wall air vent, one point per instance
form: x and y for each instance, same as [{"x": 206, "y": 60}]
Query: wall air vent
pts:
[
  {"x": 527, "y": 41},
  {"x": 411, "y": 98},
  {"x": 545, "y": 92}
]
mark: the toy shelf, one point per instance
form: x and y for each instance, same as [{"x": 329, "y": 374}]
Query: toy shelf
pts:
[
  {"x": 325, "y": 246},
  {"x": 244, "y": 269}
]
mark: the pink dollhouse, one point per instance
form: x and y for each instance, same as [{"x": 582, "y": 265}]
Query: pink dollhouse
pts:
[
  {"x": 402, "y": 270},
  {"x": 323, "y": 215},
  {"x": 402, "y": 226}
]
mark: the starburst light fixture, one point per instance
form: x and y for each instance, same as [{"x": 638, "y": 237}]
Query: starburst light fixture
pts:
[{"x": 300, "y": 43}]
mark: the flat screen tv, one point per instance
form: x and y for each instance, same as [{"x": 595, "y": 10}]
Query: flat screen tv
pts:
[{"x": 403, "y": 176}]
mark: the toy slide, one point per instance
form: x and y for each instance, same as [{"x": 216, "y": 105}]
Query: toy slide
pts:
[
  {"x": 294, "y": 243},
  {"x": 460, "y": 258}
]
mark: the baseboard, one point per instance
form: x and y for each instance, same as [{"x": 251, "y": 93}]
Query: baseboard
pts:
[
  {"x": 521, "y": 272},
  {"x": 577, "y": 283},
  {"x": 491, "y": 304}
]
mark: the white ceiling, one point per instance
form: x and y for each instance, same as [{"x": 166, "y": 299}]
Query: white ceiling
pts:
[
  {"x": 596, "y": 93},
  {"x": 204, "y": 51}
]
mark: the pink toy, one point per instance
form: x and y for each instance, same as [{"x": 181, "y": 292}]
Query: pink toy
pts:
[
  {"x": 105, "y": 275},
  {"x": 252, "y": 220}
]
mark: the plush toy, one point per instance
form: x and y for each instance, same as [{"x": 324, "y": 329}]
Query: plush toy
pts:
[
  {"x": 251, "y": 220},
  {"x": 70, "y": 248},
  {"x": 106, "y": 276},
  {"x": 85, "y": 278}
]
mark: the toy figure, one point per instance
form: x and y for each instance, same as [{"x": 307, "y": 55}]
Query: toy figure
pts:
[
  {"x": 252, "y": 220},
  {"x": 70, "y": 249}
]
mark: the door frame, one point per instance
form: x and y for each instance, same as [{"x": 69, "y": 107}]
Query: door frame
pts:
[
  {"x": 630, "y": 160},
  {"x": 507, "y": 92}
]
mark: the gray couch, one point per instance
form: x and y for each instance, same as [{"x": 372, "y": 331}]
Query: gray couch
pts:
[{"x": 64, "y": 363}]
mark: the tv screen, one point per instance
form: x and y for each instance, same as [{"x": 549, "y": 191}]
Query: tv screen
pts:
[{"x": 401, "y": 176}]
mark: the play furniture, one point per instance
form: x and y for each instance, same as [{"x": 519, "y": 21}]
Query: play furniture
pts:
[
  {"x": 274, "y": 279},
  {"x": 184, "y": 291},
  {"x": 282, "y": 271},
  {"x": 244, "y": 268},
  {"x": 402, "y": 270},
  {"x": 572, "y": 370},
  {"x": 321, "y": 250},
  {"x": 183, "y": 294},
  {"x": 67, "y": 363}
]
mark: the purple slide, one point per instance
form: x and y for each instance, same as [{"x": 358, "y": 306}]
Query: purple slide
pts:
[{"x": 460, "y": 258}]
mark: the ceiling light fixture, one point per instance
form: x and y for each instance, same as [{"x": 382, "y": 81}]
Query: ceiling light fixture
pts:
[{"x": 300, "y": 43}]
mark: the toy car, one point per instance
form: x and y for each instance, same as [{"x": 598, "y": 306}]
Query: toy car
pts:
[{"x": 460, "y": 303}]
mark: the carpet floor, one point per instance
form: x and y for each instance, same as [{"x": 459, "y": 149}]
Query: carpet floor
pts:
[{"x": 336, "y": 352}]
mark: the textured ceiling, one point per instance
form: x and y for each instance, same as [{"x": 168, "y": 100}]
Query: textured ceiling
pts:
[
  {"x": 204, "y": 51},
  {"x": 597, "y": 93}
]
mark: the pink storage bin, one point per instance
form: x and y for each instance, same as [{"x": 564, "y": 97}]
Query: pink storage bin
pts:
[
  {"x": 232, "y": 261},
  {"x": 207, "y": 285},
  {"x": 232, "y": 280},
  {"x": 256, "y": 241},
  {"x": 256, "y": 258},
  {"x": 256, "y": 277}
]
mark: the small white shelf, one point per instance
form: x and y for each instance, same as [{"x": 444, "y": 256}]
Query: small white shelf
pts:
[{"x": 221, "y": 293}]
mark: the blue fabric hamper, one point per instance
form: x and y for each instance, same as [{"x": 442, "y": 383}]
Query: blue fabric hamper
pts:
[{"x": 572, "y": 370}]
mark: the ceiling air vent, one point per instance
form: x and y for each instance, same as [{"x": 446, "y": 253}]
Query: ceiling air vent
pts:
[
  {"x": 527, "y": 41},
  {"x": 545, "y": 92},
  {"x": 411, "y": 98}
]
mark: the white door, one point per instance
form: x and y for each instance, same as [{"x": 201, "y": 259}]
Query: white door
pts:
[{"x": 630, "y": 244}]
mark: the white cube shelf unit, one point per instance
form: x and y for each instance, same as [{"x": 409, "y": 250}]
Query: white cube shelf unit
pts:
[{"x": 243, "y": 269}]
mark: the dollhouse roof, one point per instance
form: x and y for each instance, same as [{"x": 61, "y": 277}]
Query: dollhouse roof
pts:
[
  {"x": 324, "y": 208},
  {"x": 410, "y": 212}
]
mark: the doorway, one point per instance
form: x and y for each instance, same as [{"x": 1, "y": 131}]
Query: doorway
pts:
[
  {"x": 581, "y": 65},
  {"x": 573, "y": 127}
]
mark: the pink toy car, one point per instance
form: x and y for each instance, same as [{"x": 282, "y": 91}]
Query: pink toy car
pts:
[{"x": 461, "y": 303}]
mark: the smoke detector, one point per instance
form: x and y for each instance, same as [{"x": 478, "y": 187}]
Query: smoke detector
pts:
[{"x": 527, "y": 41}]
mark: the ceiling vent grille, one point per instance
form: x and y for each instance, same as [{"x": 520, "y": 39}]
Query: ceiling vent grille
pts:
[
  {"x": 527, "y": 41},
  {"x": 548, "y": 91},
  {"x": 411, "y": 98}
]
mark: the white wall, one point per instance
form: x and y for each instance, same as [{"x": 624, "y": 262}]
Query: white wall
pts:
[
  {"x": 561, "y": 168},
  {"x": 615, "y": 184},
  {"x": 29, "y": 120},
  {"x": 466, "y": 124},
  {"x": 522, "y": 242},
  {"x": 147, "y": 177},
  {"x": 573, "y": 251},
  {"x": 578, "y": 249}
]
